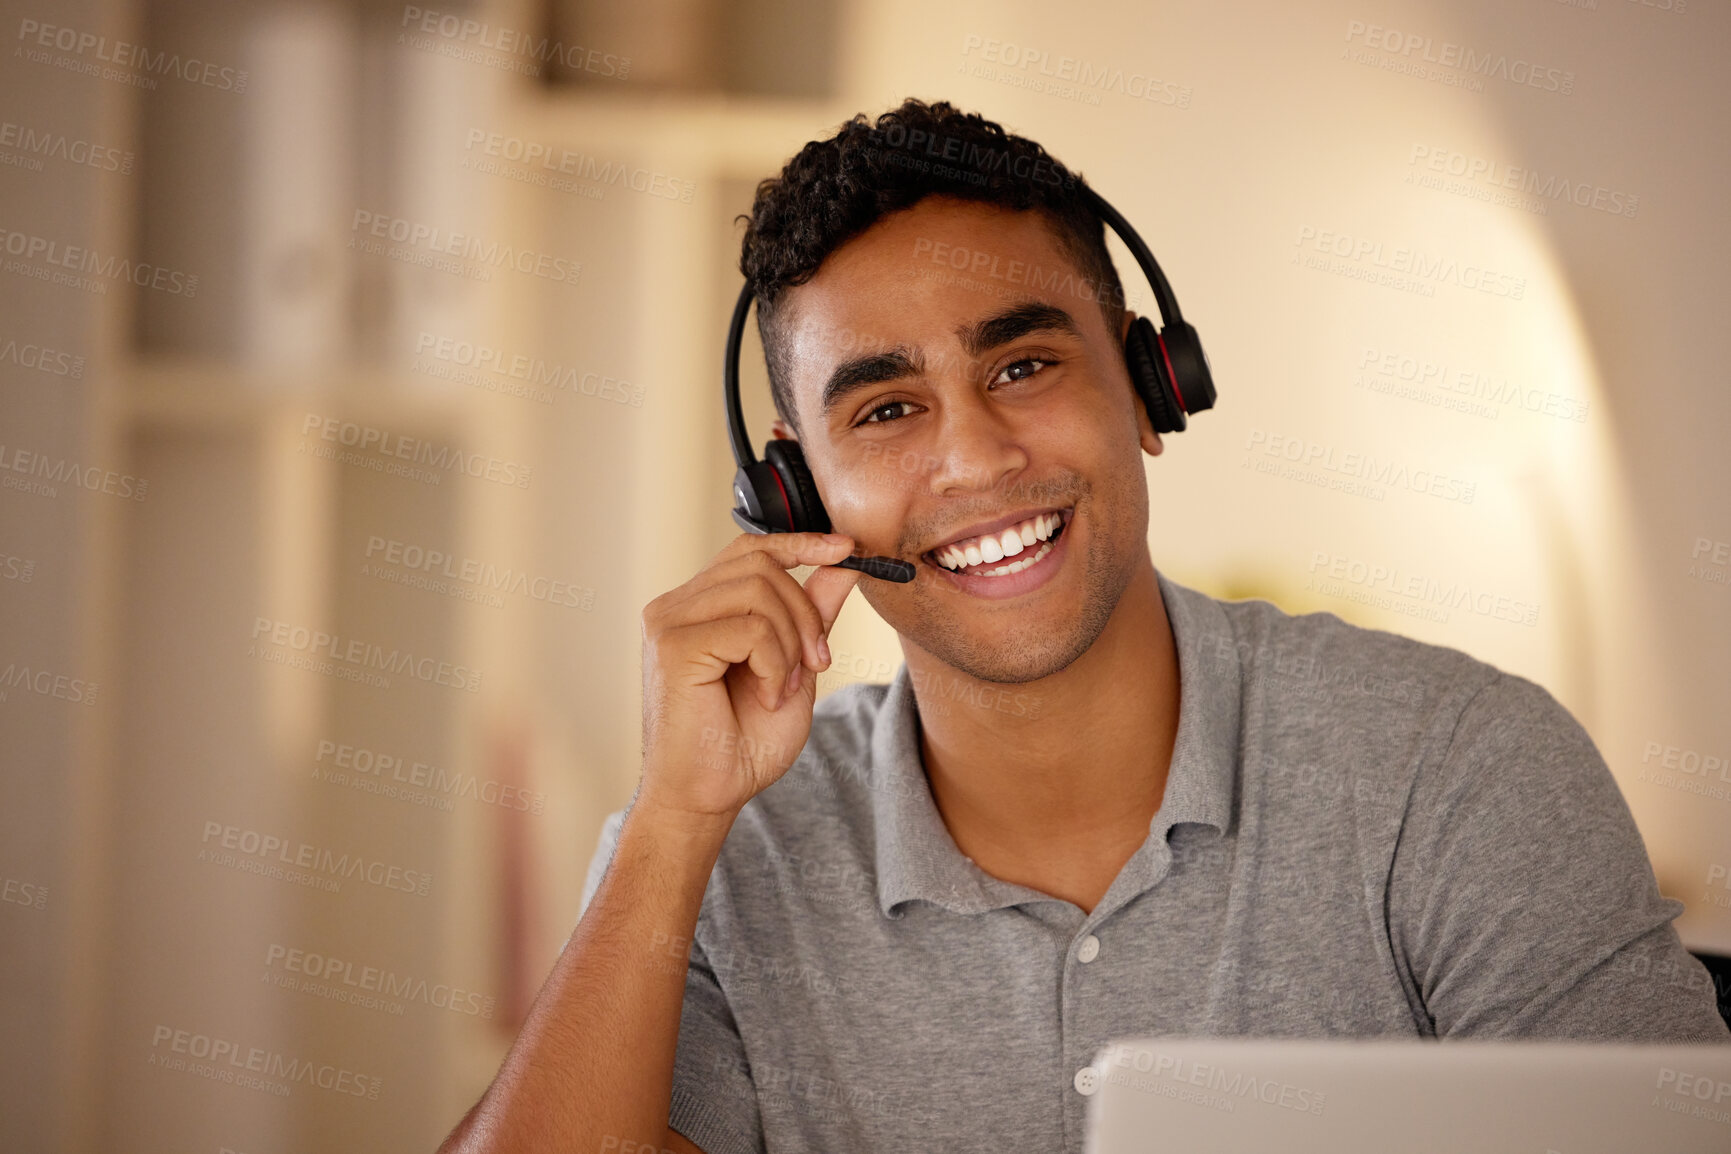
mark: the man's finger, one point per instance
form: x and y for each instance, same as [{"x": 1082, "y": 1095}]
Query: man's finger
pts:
[
  {"x": 789, "y": 550},
  {"x": 828, "y": 588}
]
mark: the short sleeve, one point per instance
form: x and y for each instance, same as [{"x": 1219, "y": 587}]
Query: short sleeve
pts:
[
  {"x": 714, "y": 1101},
  {"x": 1522, "y": 902}
]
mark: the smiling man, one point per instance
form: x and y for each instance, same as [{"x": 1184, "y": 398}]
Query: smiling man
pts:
[
  {"x": 1028, "y": 440},
  {"x": 909, "y": 916}
]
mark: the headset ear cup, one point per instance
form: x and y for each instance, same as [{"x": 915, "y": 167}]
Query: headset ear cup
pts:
[
  {"x": 1193, "y": 376},
  {"x": 804, "y": 505},
  {"x": 1148, "y": 373}
]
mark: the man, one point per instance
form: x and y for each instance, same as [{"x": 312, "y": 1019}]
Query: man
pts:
[{"x": 1092, "y": 803}]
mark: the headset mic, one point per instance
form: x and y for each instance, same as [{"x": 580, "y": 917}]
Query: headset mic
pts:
[{"x": 883, "y": 568}]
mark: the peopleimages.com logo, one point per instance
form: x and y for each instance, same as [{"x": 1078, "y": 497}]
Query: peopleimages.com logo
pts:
[
  {"x": 253, "y": 1067},
  {"x": 46, "y": 683},
  {"x": 357, "y": 654},
  {"x": 1400, "y": 266},
  {"x": 383, "y": 771},
  {"x": 344, "y": 980},
  {"x": 373, "y": 444},
  {"x": 58, "y": 262},
  {"x": 497, "y": 46},
  {"x": 91, "y": 54},
  {"x": 1071, "y": 77},
  {"x": 318, "y": 867},
  {"x": 41, "y": 359},
  {"x": 27, "y": 146},
  {"x": 1455, "y": 61},
  {"x": 446, "y": 250}
]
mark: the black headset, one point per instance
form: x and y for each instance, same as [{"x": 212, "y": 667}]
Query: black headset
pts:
[{"x": 777, "y": 494}]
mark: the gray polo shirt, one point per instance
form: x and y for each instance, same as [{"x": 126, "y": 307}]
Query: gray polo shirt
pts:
[{"x": 1362, "y": 836}]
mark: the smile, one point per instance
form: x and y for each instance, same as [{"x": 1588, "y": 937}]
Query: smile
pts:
[{"x": 1003, "y": 552}]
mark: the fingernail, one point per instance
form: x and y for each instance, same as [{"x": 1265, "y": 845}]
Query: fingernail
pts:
[
  {"x": 837, "y": 539},
  {"x": 823, "y": 648},
  {"x": 793, "y": 680}
]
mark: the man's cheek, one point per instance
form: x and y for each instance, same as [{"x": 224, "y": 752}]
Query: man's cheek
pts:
[
  {"x": 870, "y": 504},
  {"x": 888, "y": 470}
]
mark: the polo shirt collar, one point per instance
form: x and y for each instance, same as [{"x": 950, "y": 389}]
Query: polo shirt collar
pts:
[{"x": 917, "y": 857}]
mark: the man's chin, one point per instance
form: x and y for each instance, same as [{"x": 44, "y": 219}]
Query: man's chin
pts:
[
  {"x": 1010, "y": 648},
  {"x": 1011, "y": 660}
]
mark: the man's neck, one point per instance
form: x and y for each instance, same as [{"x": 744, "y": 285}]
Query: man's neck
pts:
[{"x": 1052, "y": 783}]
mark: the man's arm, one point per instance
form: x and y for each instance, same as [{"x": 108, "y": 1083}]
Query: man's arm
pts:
[
  {"x": 592, "y": 1069},
  {"x": 1522, "y": 902},
  {"x": 727, "y": 704}
]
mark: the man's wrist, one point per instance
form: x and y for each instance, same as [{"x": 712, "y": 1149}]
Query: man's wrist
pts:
[{"x": 679, "y": 831}]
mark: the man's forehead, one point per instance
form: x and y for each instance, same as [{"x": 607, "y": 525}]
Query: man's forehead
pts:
[{"x": 921, "y": 276}]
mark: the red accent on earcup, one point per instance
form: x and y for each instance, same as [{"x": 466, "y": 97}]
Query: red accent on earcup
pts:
[
  {"x": 1146, "y": 359},
  {"x": 1170, "y": 375},
  {"x": 1192, "y": 377},
  {"x": 775, "y": 475},
  {"x": 805, "y": 508}
]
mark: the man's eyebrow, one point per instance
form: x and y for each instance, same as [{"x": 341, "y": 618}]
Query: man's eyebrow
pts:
[
  {"x": 977, "y": 339},
  {"x": 862, "y": 372},
  {"x": 1017, "y": 321}
]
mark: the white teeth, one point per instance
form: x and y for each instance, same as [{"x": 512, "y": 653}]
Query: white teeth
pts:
[
  {"x": 1017, "y": 566},
  {"x": 991, "y": 548}
]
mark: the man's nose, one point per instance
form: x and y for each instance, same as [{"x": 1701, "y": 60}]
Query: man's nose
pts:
[{"x": 978, "y": 449}]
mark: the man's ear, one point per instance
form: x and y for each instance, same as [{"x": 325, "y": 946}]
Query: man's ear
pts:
[
  {"x": 778, "y": 428},
  {"x": 1151, "y": 443}
]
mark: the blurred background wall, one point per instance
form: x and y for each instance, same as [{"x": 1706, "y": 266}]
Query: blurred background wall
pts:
[{"x": 358, "y": 386}]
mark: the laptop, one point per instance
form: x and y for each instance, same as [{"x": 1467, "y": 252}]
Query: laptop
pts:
[{"x": 1258, "y": 1096}]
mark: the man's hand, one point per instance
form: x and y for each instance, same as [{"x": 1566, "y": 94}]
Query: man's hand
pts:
[{"x": 730, "y": 665}]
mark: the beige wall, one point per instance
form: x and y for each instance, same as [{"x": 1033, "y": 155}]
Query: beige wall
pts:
[{"x": 1273, "y": 139}]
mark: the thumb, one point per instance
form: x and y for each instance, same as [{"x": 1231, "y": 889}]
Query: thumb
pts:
[{"x": 828, "y": 588}]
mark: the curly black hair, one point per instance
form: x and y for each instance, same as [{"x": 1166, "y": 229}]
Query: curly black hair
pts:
[{"x": 835, "y": 189}]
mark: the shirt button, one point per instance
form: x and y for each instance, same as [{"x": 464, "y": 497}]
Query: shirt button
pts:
[
  {"x": 1087, "y": 1080},
  {"x": 1089, "y": 949}
]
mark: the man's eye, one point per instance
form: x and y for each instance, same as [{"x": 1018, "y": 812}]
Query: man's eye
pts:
[
  {"x": 888, "y": 406},
  {"x": 1033, "y": 365}
]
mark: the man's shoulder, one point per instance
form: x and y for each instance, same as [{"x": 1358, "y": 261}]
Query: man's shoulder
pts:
[
  {"x": 1375, "y": 689},
  {"x": 1317, "y": 655},
  {"x": 1447, "y": 678}
]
